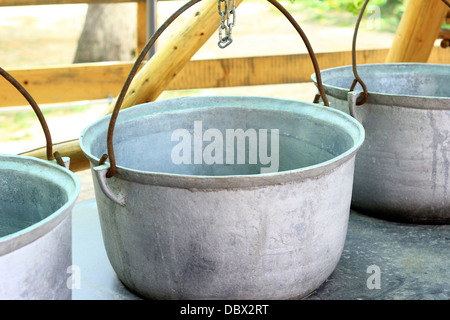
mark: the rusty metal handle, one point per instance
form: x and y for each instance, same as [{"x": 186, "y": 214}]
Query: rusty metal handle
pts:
[
  {"x": 38, "y": 112},
  {"x": 100, "y": 172},
  {"x": 354, "y": 67},
  {"x": 150, "y": 43}
]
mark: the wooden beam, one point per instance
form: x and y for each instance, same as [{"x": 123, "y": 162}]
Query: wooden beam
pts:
[
  {"x": 71, "y": 148},
  {"x": 282, "y": 69},
  {"x": 173, "y": 55},
  {"x": 417, "y": 31},
  {"x": 75, "y": 82},
  {"x": 444, "y": 34},
  {"x": 93, "y": 81}
]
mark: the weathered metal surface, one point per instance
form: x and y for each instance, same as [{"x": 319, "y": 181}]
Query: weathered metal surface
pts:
[
  {"x": 36, "y": 200},
  {"x": 225, "y": 231},
  {"x": 402, "y": 171}
]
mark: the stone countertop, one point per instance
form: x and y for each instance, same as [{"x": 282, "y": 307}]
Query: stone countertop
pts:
[{"x": 381, "y": 260}]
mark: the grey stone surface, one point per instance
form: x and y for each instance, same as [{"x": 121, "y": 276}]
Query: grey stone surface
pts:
[{"x": 413, "y": 261}]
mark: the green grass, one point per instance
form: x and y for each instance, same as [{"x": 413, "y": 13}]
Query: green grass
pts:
[{"x": 21, "y": 120}]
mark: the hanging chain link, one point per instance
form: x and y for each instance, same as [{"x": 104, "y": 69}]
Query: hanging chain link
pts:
[{"x": 227, "y": 11}]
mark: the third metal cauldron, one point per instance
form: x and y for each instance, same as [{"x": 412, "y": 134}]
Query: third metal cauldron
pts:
[{"x": 402, "y": 172}]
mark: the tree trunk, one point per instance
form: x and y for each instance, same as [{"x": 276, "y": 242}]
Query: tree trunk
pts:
[{"x": 109, "y": 33}]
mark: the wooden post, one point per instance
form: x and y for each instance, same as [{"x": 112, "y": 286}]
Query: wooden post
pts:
[
  {"x": 169, "y": 59},
  {"x": 70, "y": 149},
  {"x": 417, "y": 31},
  {"x": 157, "y": 73}
]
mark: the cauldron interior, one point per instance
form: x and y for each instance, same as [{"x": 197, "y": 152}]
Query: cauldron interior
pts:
[
  {"x": 396, "y": 79},
  {"x": 146, "y": 143},
  {"x": 26, "y": 199}
]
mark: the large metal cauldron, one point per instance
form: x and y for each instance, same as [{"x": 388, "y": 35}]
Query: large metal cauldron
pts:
[
  {"x": 36, "y": 200},
  {"x": 402, "y": 171},
  {"x": 225, "y": 231},
  {"x": 190, "y": 211}
]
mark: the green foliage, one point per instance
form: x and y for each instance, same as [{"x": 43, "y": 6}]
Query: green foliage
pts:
[
  {"x": 17, "y": 120},
  {"x": 343, "y": 12},
  {"x": 354, "y": 6}
]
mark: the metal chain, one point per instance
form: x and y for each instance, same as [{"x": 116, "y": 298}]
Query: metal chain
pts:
[{"x": 227, "y": 11}]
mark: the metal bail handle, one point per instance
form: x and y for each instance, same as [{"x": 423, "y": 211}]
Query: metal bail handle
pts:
[
  {"x": 37, "y": 110},
  {"x": 354, "y": 66},
  {"x": 150, "y": 43}
]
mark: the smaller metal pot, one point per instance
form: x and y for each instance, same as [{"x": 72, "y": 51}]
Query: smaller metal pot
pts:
[
  {"x": 36, "y": 200},
  {"x": 402, "y": 171}
]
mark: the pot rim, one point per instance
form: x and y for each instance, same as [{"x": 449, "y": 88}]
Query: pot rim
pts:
[
  {"x": 389, "y": 99},
  {"x": 23, "y": 237},
  {"x": 205, "y": 182}
]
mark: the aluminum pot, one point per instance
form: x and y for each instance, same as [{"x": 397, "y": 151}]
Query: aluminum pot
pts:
[
  {"x": 174, "y": 230},
  {"x": 36, "y": 200},
  {"x": 402, "y": 171},
  {"x": 223, "y": 197}
]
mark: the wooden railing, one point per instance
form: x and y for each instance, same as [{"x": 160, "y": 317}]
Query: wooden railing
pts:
[
  {"x": 91, "y": 81},
  {"x": 75, "y": 82}
]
